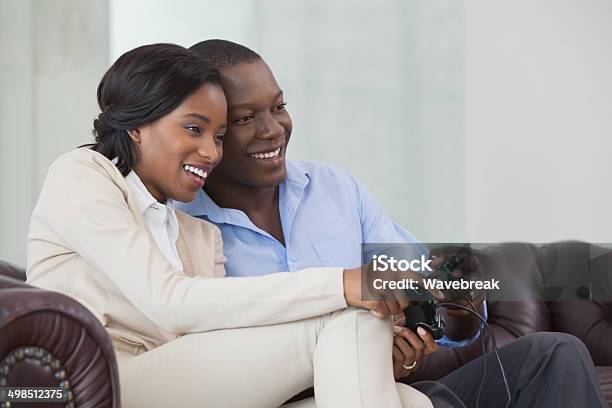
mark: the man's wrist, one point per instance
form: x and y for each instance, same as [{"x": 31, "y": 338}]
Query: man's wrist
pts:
[{"x": 461, "y": 324}]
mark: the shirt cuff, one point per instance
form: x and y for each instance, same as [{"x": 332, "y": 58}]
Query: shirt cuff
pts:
[{"x": 335, "y": 289}]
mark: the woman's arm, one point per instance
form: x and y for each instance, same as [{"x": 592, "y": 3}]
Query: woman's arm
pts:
[{"x": 88, "y": 212}]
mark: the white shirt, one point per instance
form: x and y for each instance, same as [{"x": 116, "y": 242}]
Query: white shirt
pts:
[{"x": 159, "y": 218}]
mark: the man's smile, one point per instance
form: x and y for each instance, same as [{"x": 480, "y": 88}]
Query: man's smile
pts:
[{"x": 266, "y": 155}]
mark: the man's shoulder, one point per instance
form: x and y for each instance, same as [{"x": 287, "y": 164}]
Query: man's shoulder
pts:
[{"x": 319, "y": 171}]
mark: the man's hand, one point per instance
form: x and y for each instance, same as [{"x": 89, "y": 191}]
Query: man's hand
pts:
[
  {"x": 409, "y": 349},
  {"x": 459, "y": 323}
]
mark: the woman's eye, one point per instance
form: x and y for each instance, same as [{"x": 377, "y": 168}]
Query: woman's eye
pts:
[
  {"x": 219, "y": 138},
  {"x": 193, "y": 129},
  {"x": 281, "y": 106}
]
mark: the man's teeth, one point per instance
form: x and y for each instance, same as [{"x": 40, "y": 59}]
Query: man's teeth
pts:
[
  {"x": 268, "y": 155},
  {"x": 197, "y": 171}
]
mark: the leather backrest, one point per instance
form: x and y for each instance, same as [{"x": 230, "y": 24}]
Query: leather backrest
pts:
[{"x": 12, "y": 271}]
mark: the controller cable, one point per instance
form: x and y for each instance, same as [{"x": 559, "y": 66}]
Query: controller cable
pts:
[
  {"x": 483, "y": 323},
  {"x": 484, "y": 350}
]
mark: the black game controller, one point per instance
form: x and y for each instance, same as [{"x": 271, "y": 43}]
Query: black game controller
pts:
[
  {"x": 445, "y": 271},
  {"x": 422, "y": 310},
  {"x": 448, "y": 272}
]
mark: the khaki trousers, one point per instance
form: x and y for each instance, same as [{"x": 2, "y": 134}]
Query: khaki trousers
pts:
[{"x": 346, "y": 355}]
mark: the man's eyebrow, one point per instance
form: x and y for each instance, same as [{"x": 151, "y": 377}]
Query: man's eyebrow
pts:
[
  {"x": 240, "y": 105},
  {"x": 203, "y": 118}
]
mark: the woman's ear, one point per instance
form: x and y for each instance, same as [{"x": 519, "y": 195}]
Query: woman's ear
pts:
[{"x": 134, "y": 134}]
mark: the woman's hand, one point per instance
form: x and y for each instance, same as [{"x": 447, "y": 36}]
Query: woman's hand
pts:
[
  {"x": 409, "y": 350},
  {"x": 392, "y": 302}
]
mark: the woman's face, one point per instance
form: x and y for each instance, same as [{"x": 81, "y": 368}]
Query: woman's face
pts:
[
  {"x": 179, "y": 150},
  {"x": 259, "y": 127}
]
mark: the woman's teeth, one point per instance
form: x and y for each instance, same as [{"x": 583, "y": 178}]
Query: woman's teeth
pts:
[
  {"x": 195, "y": 170},
  {"x": 269, "y": 155}
]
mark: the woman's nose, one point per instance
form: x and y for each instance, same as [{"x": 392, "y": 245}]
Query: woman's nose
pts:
[{"x": 208, "y": 149}]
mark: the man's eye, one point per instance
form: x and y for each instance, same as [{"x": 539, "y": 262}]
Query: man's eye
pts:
[
  {"x": 193, "y": 129},
  {"x": 244, "y": 119},
  {"x": 281, "y": 106}
]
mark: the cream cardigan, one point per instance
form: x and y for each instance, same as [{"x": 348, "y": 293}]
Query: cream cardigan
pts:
[{"x": 88, "y": 240}]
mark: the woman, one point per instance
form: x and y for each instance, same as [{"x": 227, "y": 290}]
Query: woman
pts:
[{"x": 184, "y": 334}]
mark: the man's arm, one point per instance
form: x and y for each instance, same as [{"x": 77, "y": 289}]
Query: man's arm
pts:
[{"x": 461, "y": 328}]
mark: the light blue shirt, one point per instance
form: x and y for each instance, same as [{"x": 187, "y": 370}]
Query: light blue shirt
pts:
[{"x": 326, "y": 215}]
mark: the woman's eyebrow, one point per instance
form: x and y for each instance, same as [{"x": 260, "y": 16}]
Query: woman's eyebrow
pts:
[{"x": 198, "y": 116}]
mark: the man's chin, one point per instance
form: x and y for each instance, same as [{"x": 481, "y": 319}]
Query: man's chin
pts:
[{"x": 271, "y": 180}]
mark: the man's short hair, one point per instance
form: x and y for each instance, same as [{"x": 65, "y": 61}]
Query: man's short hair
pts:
[{"x": 223, "y": 54}]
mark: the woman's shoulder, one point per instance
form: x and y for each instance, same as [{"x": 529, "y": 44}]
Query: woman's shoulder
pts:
[
  {"x": 84, "y": 166},
  {"x": 189, "y": 224},
  {"x": 83, "y": 173},
  {"x": 84, "y": 157}
]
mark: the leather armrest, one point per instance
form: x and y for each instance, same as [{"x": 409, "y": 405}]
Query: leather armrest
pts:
[
  {"x": 48, "y": 339},
  {"x": 591, "y": 322}
]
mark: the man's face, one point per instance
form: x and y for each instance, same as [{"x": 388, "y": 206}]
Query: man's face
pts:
[{"x": 259, "y": 127}]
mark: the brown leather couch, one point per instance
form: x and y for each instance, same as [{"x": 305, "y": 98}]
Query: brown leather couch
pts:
[
  {"x": 591, "y": 321},
  {"x": 50, "y": 340},
  {"x": 62, "y": 336}
]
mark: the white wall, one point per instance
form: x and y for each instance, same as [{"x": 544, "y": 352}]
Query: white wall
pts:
[
  {"x": 538, "y": 120},
  {"x": 52, "y": 56},
  {"x": 477, "y": 120},
  {"x": 374, "y": 86},
  {"x": 184, "y": 22}
]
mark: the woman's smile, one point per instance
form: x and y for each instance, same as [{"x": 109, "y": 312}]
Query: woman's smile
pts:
[{"x": 197, "y": 173}]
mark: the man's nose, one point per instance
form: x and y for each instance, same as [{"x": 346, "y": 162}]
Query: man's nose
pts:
[{"x": 269, "y": 127}]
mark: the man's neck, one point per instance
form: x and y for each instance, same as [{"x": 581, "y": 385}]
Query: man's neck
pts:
[
  {"x": 252, "y": 200},
  {"x": 259, "y": 204}
]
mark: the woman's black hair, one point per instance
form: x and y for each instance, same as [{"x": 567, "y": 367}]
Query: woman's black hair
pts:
[{"x": 143, "y": 85}]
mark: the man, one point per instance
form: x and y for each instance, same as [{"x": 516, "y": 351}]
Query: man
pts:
[{"x": 279, "y": 215}]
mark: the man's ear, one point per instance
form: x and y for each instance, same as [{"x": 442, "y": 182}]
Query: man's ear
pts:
[{"x": 134, "y": 134}]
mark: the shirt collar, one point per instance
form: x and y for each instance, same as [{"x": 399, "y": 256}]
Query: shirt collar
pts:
[
  {"x": 203, "y": 206},
  {"x": 143, "y": 198},
  {"x": 296, "y": 174}
]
